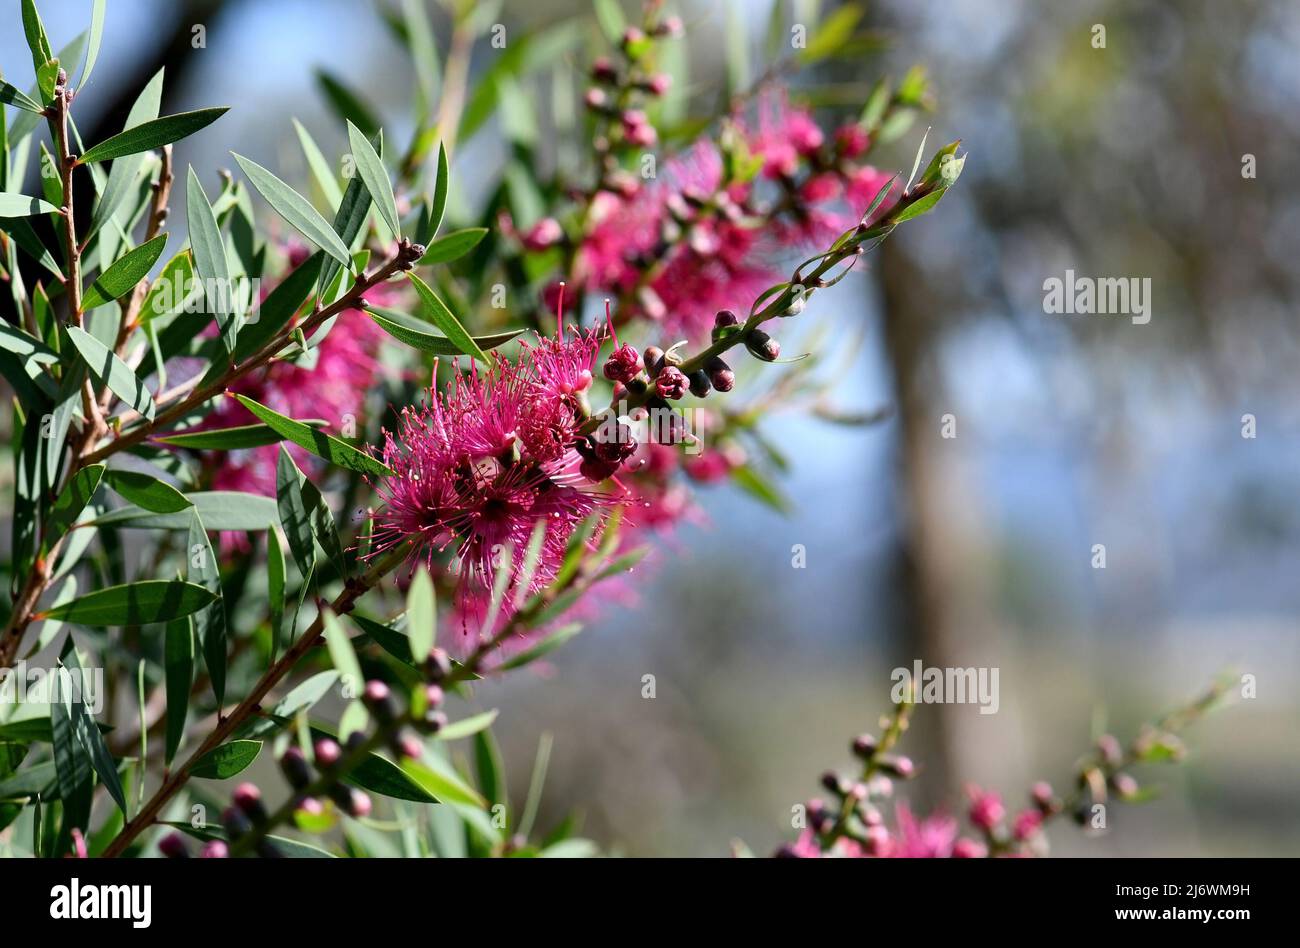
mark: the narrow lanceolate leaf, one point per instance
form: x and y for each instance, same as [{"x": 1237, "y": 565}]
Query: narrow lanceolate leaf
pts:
[
  {"x": 122, "y": 176},
  {"x": 421, "y": 615},
  {"x": 444, "y": 320},
  {"x": 178, "y": 658},
  {"x": 432, "y": 342},
  {"x": 468, "y": 727},
  {"x": 150, "y": 600},
  {"x": 89, "y": 735},
  {"x": 275, "y": 581},
  {"x": 296, "y": 210},
  {"x": 34, "y": 30},
  {"x": 96, "y": 36},
  {"x": 295, "y": 517},
  {"x": 320, "y": 168},
  {"x": 375, "y": 177},
  {"x": 440, "y": 779},
  {"x": 317, "y": 442},
  {"x": 351, "y": 217},
  {"x": 225, "y": 761},
  {"x": 112, "y": 371},
  {"x": 152, "y": 134},
  {"x": 20, "y": 205},
  {"x": 232, "y": 439},
  {"x": 12, "y": 95},
  {"x": 440, "y": 191},
  {"x": 347, "y": 103},
  {"x": 219, "y": 509},
  {"x": 453, "y": 246},
  {"x": 147, "y": 492},
  {"x": 210, "y": 621},
  {"x": 209, "y": 252},
  {"x": 124, "y": 274},
  {"x": 341, "y": 653},
  {"x": 71, "y": 502}
]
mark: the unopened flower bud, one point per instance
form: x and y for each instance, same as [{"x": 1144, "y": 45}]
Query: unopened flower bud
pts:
[
  {"x": 437, "y": 666},
  {"x": 434, "y": 696},
  {"x": 762, "y": 346},
  {"x": 670, "y": 26},
  {"x": 623, "y": 364},
  {"x": 379, "y": 699},
  {"x": 659, "y": 83},
  {"x": 351, "y": 801},
  {"x": 596, "y": 470},
  {"x": 602, "y": 70},
  {"x": 295, "y": 767},
  {"x": 631, "y": 36},
  {"x": 408, "y": 746},
  {"x": 235, "y": 822},
  {"x": 1111, "y": 750},
  {"x": 215, "y": 849},
  {"x": 1124, "y": 785},
  {"x": 654, "y": 359},
  {"x": 901, "y": 767},
  {"x": 720, "y": 374},
  {"x": 327, "y": 752},
  {"x": 173, "y": 846},
  {"x": 671, "y": 383},
  {"x": 700, "y": 386},
  {"x": 1043, "y": 796},
  {"x": 434, "y": 721},
  {"x": 966, "y": 848},
  {"x": 864, "y": 745},
  {"x": 249, "y": 799},
  {"x": 831, "y": 781},
  {"x": 797, "y": 303},
  {"x": 986, "y": 810},
  {"x": 595, "y": 98}
]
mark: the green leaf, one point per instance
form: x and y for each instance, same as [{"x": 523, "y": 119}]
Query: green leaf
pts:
[
  {"x": 96, "y": 36},
  {"x": 546, "y": 645},
  {"x": 453, "y": 246},
  {"x": 12, "y": 95},
  {"x": 71, "y": 502},
  {"x": 610, "y": 17},
  {"x": 209, "y": 622},
  {"x": 832, "y": 34},
  {"x": 295, "y": 517},
  {"x": 122, "y": 176},
  {"x": 222, "y": 763},
  {"x": 444, "y": 320},
  {"x": 320, "y": 168},
  {"x": 88, "y": 732},
  {"x": 231, "y": 439},
  {"x": 920, "y": 206},
  {"x": 209, "y": 251},
  {"x": 341, "y": 653},
  {"x": 375, "y": 177},
  {"x": 219, "y": 509},
  {"x": 275, "y": 582},
  {"x": 431, "y": 342},
  {"x": 140, "y": 603},
  {"x": 280, "y": 305},
  {"x": 440, "y": 780},
  {"x": 351, "y": 216},
  {"x": 346, "y": 103},
  {"x": 289, "y": 848},
  {"x": 112, "y": 371},
  {"x": 20, "y": 205},
  {"x": 390, "y": 640},
  {"x": 173, "y": 287},
  {"x": 178, "y": 659},
  {"x": 147, "y": 492},
  {"x": 124, "y": 274},
  {"x": 421, "y": 615},
  {"x": 468, "y": 727},
  {"x": 757, "y": 486},
  {"x": 317, "y": 442},
  {"x": 152, "y": 134},
  {"x": 31, "y": 349},
  {"x": 440, "y": 191},
  {"x": 34, "y": 30},
  {"x": 296, "y": 210}
]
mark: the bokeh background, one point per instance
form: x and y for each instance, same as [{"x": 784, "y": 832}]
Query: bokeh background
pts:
[{"x": 976, "y": 550}]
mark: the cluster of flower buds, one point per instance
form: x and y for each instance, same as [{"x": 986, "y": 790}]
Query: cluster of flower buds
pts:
[
  {"x": 174, "y": 846},
  {"x": 620, "y": 87}
]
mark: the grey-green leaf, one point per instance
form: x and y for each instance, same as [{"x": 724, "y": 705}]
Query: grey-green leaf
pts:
[
  {"x": 442, "y": 318},
  {"x": 112, "y": 371},
  {"x": 124, "y": 274},
  {"x": 375, "y": 177},
  {"x": 140, "y": 603},
  {"x": 20, "y": 205},
  {"x": 453, "y": 246},
  {"x": 225, "y": 761},
  {"x": 296, "y": 210},
  {"x": 152, "y": 134}
]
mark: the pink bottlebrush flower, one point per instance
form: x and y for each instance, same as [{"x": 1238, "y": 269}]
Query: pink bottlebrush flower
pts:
[
  {"x": 1027, "y": 824},
  {"x": 820, "y": 188},
  {"x": 967, "y": 848},
  {"x": 481, "y": 463},
  {"x": 784, "y": 136},
  {"x": 929, "y": 838}
]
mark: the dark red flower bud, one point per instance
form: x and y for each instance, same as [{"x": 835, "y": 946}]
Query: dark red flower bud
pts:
[
  {"x": 173, "y": 846},
  {"x": 434, "y": 696},
  {"x": 437, "y": 666},
  {"x": 235, "y": 822},
  {"x": 787, "y": 851},
  {"x": 543, "y": 235},
  {"x": 351, "y": 801},
  {"x": 602, "y": 70},
  {"x": 725, "y": 318},
  {"x": 658, "y": 84},
  {"x": 596, "y": 470},
  {"x": 295, "y": 767},
  {"x": 762, "y": 346},
  {"x": 623, "y": 364},
  {"x": 215, "y": 849},
  {"x": 654, "y": 359},
  {"x": 249, "y": 799},
  {"x": 898, "y": 766},
  {"x": 327, "y": 752},
  {"x": 614, "y": 447},
  {"x": 700, "y": 386},
  {"x": 434, "y": 721},
  {"x": 864, "y": 745},
  {"x": 670, "y": 26},
  {"x": 408, "y": 746},
  {"x": 671, "y": 383},
  {"x": 720, "y": 374},
  {"x": 379, "y": 699},
  {"x": 831, "y": 781}
]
